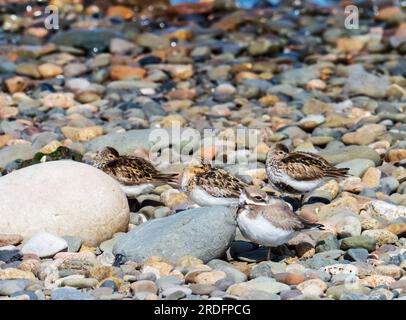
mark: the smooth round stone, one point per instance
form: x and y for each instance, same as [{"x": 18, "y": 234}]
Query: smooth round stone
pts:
[
  {"x": 28, "y": 69},
  {"x": 329, "y": 191},
  {"x": 396, "y": 228},
  {"x": 377, "y": 280},
  {"x": 167, "y": 282},
  {"x": 318, "y": 262},
  {"x": 260, "y": 284},
  {"x": 370, "y": 193},
  {"x": 224, "y": 284},
  {"x": 109, "y": 284},
  {"x": 176, "y": 295},
  {"x": 316, "y": 274},
  {"x": 149, "y": 60},
  {"x": 80, "y": 282},
  {"x": 331, "y": 254},
  {"x": 217, "y": 293},
  {"x": 30, "y": 294},
  {"x": 9, "y": 287},
  {"x": 148, "y": 276},
  {"x": 11, "y": 153},
  {"x": 370, "y": 223},
  {"x": 231, "y": 272},
  {"x": 353, "y": 296},
  {"x": 311, "y": 121},
  {"x": 10, "y": 239},
  {"x": 44, "y": 244},
  {"x": 340, "y": 276},
  {"x": 106, "y": 258},
  {"x": 102, "y": 292},
  {"x": 192, "y": 297},
  {"x": 137, "y": 218},
  {"x": 348, "y": 227},
  {"x": 80, "y": 38},
  {"x": 344, "y": 154},
  {"x": 201, "y": 289},
  {"x": 365, "y": 242},
  {"x": 290, "y": 294},
  {"x": 11, "y": 255},
  {"x": 267, "y": 269},
  {"x": 382, "y": 292},
  {"x": 162, "y": 212},
  {"x": 304, "y": 249},
  {"x": 107, "y": 246},
  {"x": 327, "y": 242},
  {"x": 186, "y": 233},
  {"x": 376, "y": 295},
  {"x": 357, "y": 166},
  {"x": 221, "y": 72},
  {"x": 70, "y": 294},
  {"x": 170, "y": 291},
  {"x": 189, "y": 262},
  {"x": 320, "y": 140},
  {"x": 289, "y": 278},
  {"x": 43, "y": 138},
  {"x": 225, "y": 89},
  {"x": 157, "y": 76},
  {"x": 14, "y": 264},
  {"x": 61, "y": 191},
  {"x": 312, "y": 287},
  {"x": 337, "y": 291},
  {"x": 209, "y": 277},
  {"x": 121, "y": 46},
  {"x": 74, "y": 243},
  {"x": 74, "y": 69},
  {"x": 142, "y": 295},
  {"x": 357, "y": 254},
  {"x": 341, "y": 268},
  {"x": 381, "y": 236},
  {"x": 144, "y": 285},
  {"x": 130, "y": 278}
]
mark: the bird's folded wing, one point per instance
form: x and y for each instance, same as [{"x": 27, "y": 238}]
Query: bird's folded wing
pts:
[
  {"x": 220, "y": 183},
  {"x": 281, "y": 216},
  {"x": 132, "y": 171},
  {"x": 303, "y": 166}
]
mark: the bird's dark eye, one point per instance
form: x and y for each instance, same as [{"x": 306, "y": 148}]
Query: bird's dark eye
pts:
[{"x": 258, "y": 198}]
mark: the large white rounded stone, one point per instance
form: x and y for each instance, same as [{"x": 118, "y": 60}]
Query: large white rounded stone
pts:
[
  {"x": 44, "y": 244},
  {"x": 63, "y": 198}
]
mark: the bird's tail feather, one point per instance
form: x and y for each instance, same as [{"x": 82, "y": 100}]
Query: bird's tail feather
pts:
[
  {"x": 173, "y": 179},
  {"x": 314, "y": 226},
  {"x": 337, "y": 172}
]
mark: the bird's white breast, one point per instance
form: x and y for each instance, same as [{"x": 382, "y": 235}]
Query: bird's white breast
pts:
[
  {"x": 302, "y": 186},
  {"x": 203, "y": 198},
  {"x": 136, "y": 190},
  {"x": 261, "y": 231}
]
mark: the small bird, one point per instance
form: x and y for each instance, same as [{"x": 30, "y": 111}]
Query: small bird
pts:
[
  {"x": 268, "y": 221},
  {"x": 134, "y": 174},
  {"x": 210, "y": 186},
  {"x": 298, "y": 172}
]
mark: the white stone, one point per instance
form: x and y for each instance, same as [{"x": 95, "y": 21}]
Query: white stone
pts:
[
  {"x": 348, "y": 227},
  {"x": 385, "y": 210},
  {"x": 44, "y": 244},
  {"x": 340, "y": 268},
  {"x": 63, "y": 198},
  {"x": 77, "y": 84}
]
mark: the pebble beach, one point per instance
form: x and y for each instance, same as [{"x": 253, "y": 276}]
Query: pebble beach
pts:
[{"x": 222, "y": 80}]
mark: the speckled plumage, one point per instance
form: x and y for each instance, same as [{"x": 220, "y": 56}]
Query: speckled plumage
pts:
[
  {"x": 131, "y": 170},
  {"x": 298, "y": 172},
  {"x": 204, "y": 181}
]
